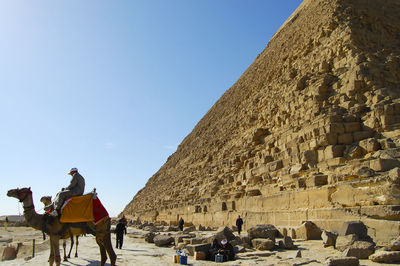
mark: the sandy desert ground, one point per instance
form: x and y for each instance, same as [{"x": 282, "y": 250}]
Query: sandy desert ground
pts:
[{"x": 137, "y": 252}]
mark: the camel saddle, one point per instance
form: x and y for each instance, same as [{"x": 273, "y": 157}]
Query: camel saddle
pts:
[{"x": 85, "y": 208}]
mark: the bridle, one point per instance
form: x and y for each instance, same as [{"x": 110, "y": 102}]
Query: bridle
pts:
[{"x": 23, "y": 194}]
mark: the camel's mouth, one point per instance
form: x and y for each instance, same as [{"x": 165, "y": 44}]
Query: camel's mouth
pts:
[{"x": 11, "y": 193}]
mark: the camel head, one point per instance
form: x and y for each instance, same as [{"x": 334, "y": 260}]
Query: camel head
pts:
[
  {"x": 19, "y": 193},
  {"x": 46, "y": 200}
]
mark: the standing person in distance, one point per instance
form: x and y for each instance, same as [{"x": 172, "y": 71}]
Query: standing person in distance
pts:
[
  {"x": 239, "y": 223},
  {"x": 119, "y": 231},
  {"x": 181, "y": 223}
]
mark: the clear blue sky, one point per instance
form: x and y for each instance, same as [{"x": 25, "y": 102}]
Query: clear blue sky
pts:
[{"x": 112, "y": 87}]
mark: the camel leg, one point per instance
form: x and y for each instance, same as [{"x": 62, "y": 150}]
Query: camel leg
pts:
[
  {"x": 109, "y": 248},
  {"x": 103, "y": 253},
  {"x": 51, "y": 257},
  {"x": 76, "y": 246},
  {"x": 64, "y": 248},
  {"x": 72, "y": 245}
]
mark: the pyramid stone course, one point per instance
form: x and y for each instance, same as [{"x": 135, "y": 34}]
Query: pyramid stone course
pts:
[{"x": 309, "y": 132}]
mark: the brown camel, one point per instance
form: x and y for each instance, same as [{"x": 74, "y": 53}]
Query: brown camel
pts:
[
  {"x": 56, "y": 230},
  {"x": 46, "y": 200}
]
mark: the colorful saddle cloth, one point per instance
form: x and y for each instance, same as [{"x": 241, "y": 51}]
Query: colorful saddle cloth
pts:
[{"x": 83, "y": 209}]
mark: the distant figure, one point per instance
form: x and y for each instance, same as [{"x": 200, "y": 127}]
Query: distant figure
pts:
[
  {"x": 227, "y": 250},
  {"x": 75, "y": 188},
  {"x": 181, "y": 223},
  {"x": 239, "y": 223},
  {"x": 119, "y": 231},
  {"x": 6, "y": 223},
  {"x": 214, "y": 249}
]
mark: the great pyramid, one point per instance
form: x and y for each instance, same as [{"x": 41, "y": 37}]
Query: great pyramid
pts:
[{"x": 310, "y": 131}]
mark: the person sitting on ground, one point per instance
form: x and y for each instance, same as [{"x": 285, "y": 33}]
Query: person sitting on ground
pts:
[
  {"x": 214, "y": 249},
  {"x": 75, "y": 188},
  {"x": 227, "y": 250}
]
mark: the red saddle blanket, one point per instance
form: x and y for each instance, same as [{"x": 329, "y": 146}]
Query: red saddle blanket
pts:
[{"x": 83, "y": 209}]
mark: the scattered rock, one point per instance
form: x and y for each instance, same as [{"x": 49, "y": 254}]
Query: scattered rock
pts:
[
  {"x": 328, "y": 238},
  {"x": 308, "y": 231},
  {"x": 386, "y": 257},
  {"x": 189, "y": 229},
  {"x": 263, "y": 231},
  {"x": 149, "y": 237},
  {"x": 342, "y": 261},
  {"x": 395, "y": 245},
  {"x": 263, "y": 244},
  {"x": 355, "y": 227},
  {"x": 9, "y": 253},
  {"x": 223, "y": 233},
  {"x": 343, "y": 242},
  {"x": 360, "y": 249},
  {"x": 163, "y": 240},
  {"x": 197, "y": 248}
]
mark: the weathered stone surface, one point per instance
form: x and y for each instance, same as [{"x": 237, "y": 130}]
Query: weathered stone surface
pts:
[
  {"x": 308, "y": 231},
  {"x": 149, "y": 237},
  {"x": 342, "y": 261},
  {"x": 162, "y": 240},
  {"x": 198, "y": 248},
  {"x": 343, "y": 242},
  {"x": 354, "y": 227},
  {"x": 360, "y": 249},
  {"x": 263, "y": 231},
  {"x": 189, "y": 229},
  {"x": 326, "y": 82},
  {"x": 386, "y": 257},
  {"x": 224, "y": 233},
  {"x": 263, "y": 244},
  {"x": 328, "y": 238},
  {"x": 395, "y": 245}
]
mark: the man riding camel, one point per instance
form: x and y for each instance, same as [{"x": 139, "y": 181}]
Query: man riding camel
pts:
[{"x": 75, "y": 188}]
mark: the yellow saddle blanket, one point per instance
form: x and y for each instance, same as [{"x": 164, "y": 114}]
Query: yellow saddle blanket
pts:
[{"x": 77, "y": 209}]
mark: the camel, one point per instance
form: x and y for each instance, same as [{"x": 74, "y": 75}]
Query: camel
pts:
[
  {"x": 56, "y": 230},
  {"x": 46, "y": 200}
]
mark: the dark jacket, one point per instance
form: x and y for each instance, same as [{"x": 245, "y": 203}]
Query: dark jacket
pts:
[
  {"x": 228, "y": 251},
  {"x": 120, "y": 229},
  {"x": 239, "y": 222}
]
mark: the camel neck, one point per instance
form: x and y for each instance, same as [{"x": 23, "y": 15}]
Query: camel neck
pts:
[{"x": 32, "y": 218}]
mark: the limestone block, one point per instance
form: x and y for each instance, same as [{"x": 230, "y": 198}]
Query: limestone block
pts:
[
  {"x": 354, "y": 227},
  {"x": 342, "y": 261},
  {"x": 224, "y": 232},
  {"x": 198, "y": 248},
  {"x": 163, "y": 240},
  {"x": 288, "y": 242},
  {"x": 253, "y": 192},
  {"x": 360, "y": 249},
  {"x": 199, "y": 255},
  {"x": 189, "y": 229},
  {"x": 365, "y": 172},
  {"x": 275, "y": 165},
  {"x": 337, "y": 128},
  {"x": 394, "y": 175},
  {"x": 369, "y": 145},
  {"x": 263, "y": 231},
  {"x": 308, "y": 231},
  {"x": 395, "y": 245},
  {"x": 343, "y": 242},
  {"x": 386, "y": 144},
  {"x": 149, "y": 237},
  {"x": 346, "y": 138},
  {"x": 263, "y": 244},
  {"x": 316, "y": 180},
  {"x": 355, "y": 152},
  {"x": 386, "y": 257},
  {"x": 296, "y": 168},
  {"x": 328, "y": 238},
  {"x": 382, "y": 165},
  {"x": 309, "y": 157},
  {"x": 333, "y": 151},
  {"x": 361, "y": 135},
  {"x": 352, "y": 127}
]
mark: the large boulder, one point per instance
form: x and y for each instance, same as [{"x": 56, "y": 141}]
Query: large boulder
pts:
[
  {"x": 328, "y": 238},
  {"x": 395, "y": 245},
  {"x": 308, "y": 231},
  {"x": 263, "y": 244},
  {"x": 223, "y": 233},
  {"x": 263, "y": 231},
  {"x": 355, "y": 227},
  {"x": 198, "y": 248},
  {"x": 149, "y": 237},
  {"x": 163, "y": 240},
  {"x": 286, "y": 243},
  {"x": 386, "y": 257},
  {"x": 360, "y": 249},
  {"x": 343, "y": 242},
  {"x": 342, "y": 261},
  {"x": 189, "y": 229}
]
